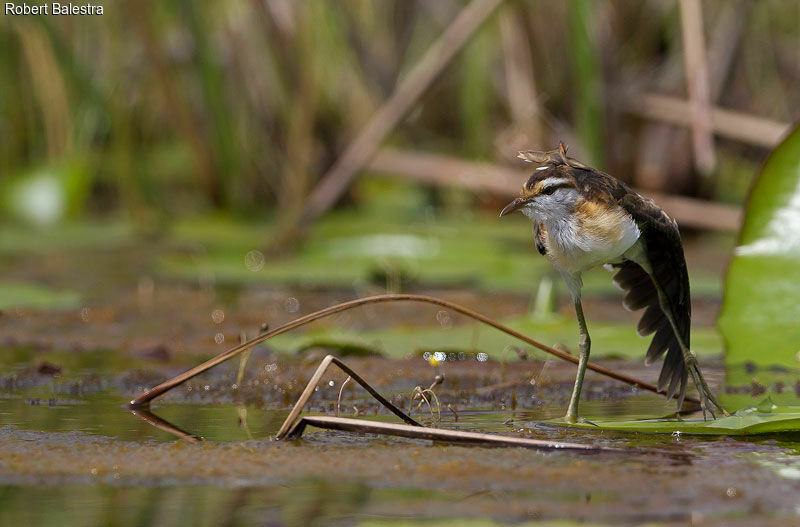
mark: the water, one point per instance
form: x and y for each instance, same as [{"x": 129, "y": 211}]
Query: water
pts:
[
  {"x": 72, "y": 453},
  {"x": 104, "y": 414}
]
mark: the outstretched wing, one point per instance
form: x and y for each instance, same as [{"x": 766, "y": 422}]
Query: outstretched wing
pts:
[{"x": 665, "y": 252}]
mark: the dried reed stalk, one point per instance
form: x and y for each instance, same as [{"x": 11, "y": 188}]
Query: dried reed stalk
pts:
[
  {"x": 312, "y": 384},
  {"x": 502, "y": 181},
  {"x": 145, "y": 398},
  {"x": 439, "y": 434},
  {"x": 363, "y": 147},
  {"x": 698, "y": 85}
]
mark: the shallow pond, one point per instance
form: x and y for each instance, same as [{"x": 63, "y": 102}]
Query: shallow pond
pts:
[
  {"x": 92, "y": 461},
  {"x": 72, "y": 454}
]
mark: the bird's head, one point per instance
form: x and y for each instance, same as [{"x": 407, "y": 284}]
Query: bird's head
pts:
[{"x": 549, "y": 194}]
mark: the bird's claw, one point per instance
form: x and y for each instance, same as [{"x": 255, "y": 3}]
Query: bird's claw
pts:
[{"x": 708, "y": 402}]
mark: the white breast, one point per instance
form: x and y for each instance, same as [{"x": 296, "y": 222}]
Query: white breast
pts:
[{"x": 575, "y": 247}]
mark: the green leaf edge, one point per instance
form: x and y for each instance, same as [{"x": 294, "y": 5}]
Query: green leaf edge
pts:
[{"x": 748, "y": 421}]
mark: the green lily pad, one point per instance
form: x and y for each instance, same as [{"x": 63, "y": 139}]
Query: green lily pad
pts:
[
  {"x": 34, "y": 296},
  {"x": 760, "y": 314},
  {"x": 764, "y": 419},
  {"x": 67, "y": 236}
]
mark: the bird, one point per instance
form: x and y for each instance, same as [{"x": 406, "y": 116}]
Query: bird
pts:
[{"x": 583, "y": 218}]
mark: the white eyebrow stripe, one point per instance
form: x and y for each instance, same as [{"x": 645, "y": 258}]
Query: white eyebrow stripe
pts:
[{"x": 553, "y": 181}]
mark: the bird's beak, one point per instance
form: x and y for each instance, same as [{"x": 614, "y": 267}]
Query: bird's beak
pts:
[{"x": 511, "y": 207}]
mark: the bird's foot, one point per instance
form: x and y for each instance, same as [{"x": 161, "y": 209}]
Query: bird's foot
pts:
[
  {"x": 573, "y": 419},
  {"x": 708, "y": 402}
]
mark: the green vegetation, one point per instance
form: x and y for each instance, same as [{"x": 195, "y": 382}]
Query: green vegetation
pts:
[
  {"x": 759, "y": 318},
  {"x": 240, "y": 107},
  {"x": 767, "y": 418},
  {"x": 22, "y": 294}
]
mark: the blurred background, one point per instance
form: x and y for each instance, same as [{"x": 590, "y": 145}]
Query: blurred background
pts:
[
  {"x": 337, "y": 149},
  {"x": 263, "y": 158},
  {"x": 269, "y": 157},
  {"x": 165, "y": 110}
]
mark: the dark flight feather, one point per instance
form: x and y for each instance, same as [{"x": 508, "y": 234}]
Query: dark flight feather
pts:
[{"x": 665, "y": 252}]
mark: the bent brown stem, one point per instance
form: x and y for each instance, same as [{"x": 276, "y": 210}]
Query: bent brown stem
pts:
[
  {"x": 165, "y": 386},
  {"x": 449, "y": 436},
  {"x": 309, "y": 390},
  {"x": 339, "y": 399}
]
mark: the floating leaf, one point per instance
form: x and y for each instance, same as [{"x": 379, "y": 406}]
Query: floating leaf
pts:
[
  {"x": 24, "y": 294},
  {"x": 759, "y": 319},
  {"x": 764, "y": 419}
]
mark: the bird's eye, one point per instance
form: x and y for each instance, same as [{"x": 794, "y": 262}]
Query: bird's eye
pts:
[{"x": 549, "y": 190}]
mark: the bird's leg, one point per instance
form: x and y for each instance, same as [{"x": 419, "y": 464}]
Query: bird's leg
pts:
[
  {"x": 688, "y": 356},
  {"x": 585, "y": 344}
]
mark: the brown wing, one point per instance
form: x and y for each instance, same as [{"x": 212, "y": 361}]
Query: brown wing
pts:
[{"x": 665, "y": 252}]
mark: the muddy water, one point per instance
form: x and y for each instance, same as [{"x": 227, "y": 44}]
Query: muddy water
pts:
[{"x": 70, "y": 452}]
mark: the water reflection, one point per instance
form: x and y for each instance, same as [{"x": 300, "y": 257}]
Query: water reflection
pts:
[
  {"x": 166, "y": 426},
  {"x": 498, "y": 421},
  {"x": 103, "y": 414}
]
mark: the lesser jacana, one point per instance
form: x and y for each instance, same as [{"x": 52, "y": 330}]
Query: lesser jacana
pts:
[{"x": 583, "y": 218}]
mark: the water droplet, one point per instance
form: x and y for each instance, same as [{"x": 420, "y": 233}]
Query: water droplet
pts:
[
  {"x": 218, "y": 316},
  {"x": 731, "y": 492},
  {"x": 331, "y": 383},
  {"x": 254, "y": 261},
  {"x": 440, "y": 356},
  {"x": 219, "y": 338},
  {"x": 292, "y": 305},
  {"x": 483, "y": 357},
  {"x": 85, "y": 313}
]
